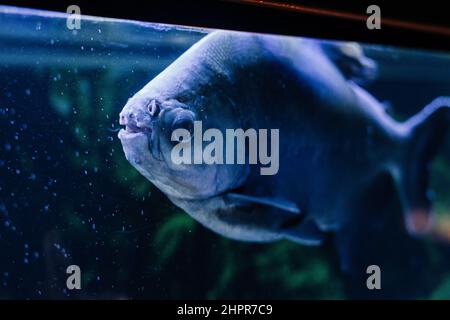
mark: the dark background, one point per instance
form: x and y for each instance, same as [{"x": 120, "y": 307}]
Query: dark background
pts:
[{"x": 233, "y": 15}]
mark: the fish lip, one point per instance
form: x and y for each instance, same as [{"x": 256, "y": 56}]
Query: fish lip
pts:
[
  {"x": 129, "y": 138},
  {"x": 125, "y": 134},
  {"x": 134, "y": 128},
  {"x": 131, "y": 129}
]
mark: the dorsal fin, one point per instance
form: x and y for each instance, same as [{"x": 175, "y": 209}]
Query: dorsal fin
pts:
[{"x": 350, "y": 59}]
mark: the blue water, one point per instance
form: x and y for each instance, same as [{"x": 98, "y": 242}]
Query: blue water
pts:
[{"x": 68, "y": 195}]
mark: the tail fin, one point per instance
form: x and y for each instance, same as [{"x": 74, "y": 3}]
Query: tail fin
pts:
[{"x": 427, "y": 129}]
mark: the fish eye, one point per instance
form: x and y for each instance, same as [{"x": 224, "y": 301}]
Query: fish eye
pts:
[
  {"x": 183, "y": 121},
  {"x": 154, "y": 108},
  {"x": 186, "y": 124}
]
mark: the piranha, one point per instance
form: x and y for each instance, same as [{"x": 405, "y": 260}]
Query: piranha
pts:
[{"x": 335, "y": 138}]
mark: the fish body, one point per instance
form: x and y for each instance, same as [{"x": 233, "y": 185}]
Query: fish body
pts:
[{"x": 335, "y": 139}]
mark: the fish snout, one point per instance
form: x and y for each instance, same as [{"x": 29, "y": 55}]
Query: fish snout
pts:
[
  {"x": 126, "y": 118},
  {"x": 135, "y": 122}
]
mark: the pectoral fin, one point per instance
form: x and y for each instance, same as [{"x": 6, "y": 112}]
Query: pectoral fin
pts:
[
  {"x": 307, "y": 233},
  {"x": 281, "y": 204}
]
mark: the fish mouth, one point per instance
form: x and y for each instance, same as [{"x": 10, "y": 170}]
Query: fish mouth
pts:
[{"x": 132, "y": 130}]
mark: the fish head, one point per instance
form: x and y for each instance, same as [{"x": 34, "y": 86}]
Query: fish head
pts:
[
  {"x": 198, "y": 86},
  {"x": 151, "y": 121},
  {"x": 148, "y": 141}
]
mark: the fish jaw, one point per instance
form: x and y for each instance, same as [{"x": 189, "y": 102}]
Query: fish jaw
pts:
[
  {"x": 127, "y": 136},
  {"x": 134, "y": 145}
]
